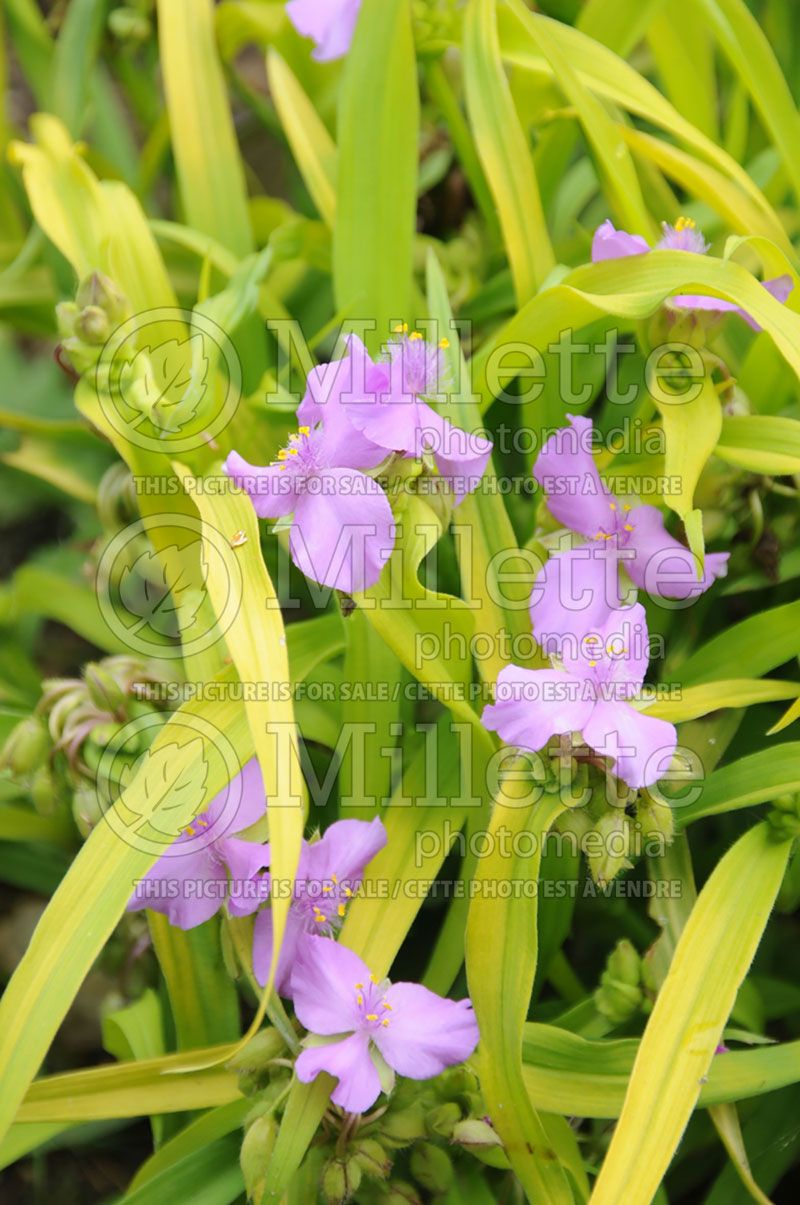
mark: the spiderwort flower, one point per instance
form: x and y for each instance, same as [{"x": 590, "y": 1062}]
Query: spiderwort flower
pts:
[
  {"x": 342, "y": 531},
  {"x": 602, "y": 672},
  {"x": 400, "y": 1027},
  {"x": 575, "y": 590},
  {"x": 205, "y": 865},
  {"x": 331, "y": 24},
  {"x": 328, "y": 875},
  {"x": 384, "y": 401},
  {"x": 609, "y": 243}
]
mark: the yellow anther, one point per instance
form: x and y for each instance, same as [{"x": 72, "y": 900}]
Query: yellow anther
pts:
[
  {"x": 415, "y": 335},
  {"x": 341, "y": 910},
  {"x": 334, "y": 878},
  {"x": 327, "y": 890},
  {"x": 348, "y": 892},
  {"x": 385, "y": 1023},
  {"x": 386, "y": 1004},
  {"x": 685, "y": 224},
  {"x": 372, "y": 1017},
  {"x": 303, "y": 430},
  {"x": 189, "y": 831},
  {"x": 372, "y": 979},
  {"x": 592, "y": 664},
  {"x": 612, "y": 505},
  {"x": 359, "y": 999},
  {"x": 444, "y": 343},
  {"x": 282, "y": 454},
  {"x": 401, "y": 328},
  {"x": 626, "y": 507},
  {"x": 292, "y": 452},
  {"x": 628, "y": 527},
  {"x": 203, "y": 823},
  {"x": 359, "y": 985}
]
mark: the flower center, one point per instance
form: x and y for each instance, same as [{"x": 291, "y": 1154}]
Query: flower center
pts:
[
  {"x": 372, "y": 1003},
  {"x": 324, "y": 912},
  {"x": 300, "y": 452},
  {"x": 620, "y": 528}
]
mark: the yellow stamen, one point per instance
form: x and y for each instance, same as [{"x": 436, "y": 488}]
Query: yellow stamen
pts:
[
  {"x": 327, "y": 890},
  {"x": 401, "y": 328},
  {"x": 189, "y": 831},
  {"x": 348, "y": 892},
  {"x": 444, "y": 343},
  {"x": 203, "y": 823},
  {"x": 612, "y": 505},
  {"x": 626, "y": 507},
  {"x": 359, "y": 999},
  {"x": 334, "y": 879},
  {"x": 685, "y": 224},
  {"x": 386, "y": 1004},
  {"x": 282, "y": 454},
  {"x": 303, "y": 430},
  {"x": 372, "y": 1017},
  {"x": 415, "y": 335},
  {"x": 628, "y": 527},
  {"x": 341, "y": 909},
  {"x": 372, "y": 979},
  {"x": 359, "y": 985},
  {"x": 592, "y": 664},
  {"x": 292, "y": 452},
  {"x": 385, "y": 1023}
]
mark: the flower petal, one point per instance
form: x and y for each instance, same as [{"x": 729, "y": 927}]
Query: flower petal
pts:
[
  {"x": 323, "y": 986},
  {"x": 294, "y": 935},
  {"x": 780, "y": 288},
  {"x": 343, "y": 533},
  {"x": 349, "y": 1061},
  {"x": 461, "y": 457},
  {"x": 573, "y": 594},
  {"x": 332, "y": 392},
  {"x": 345, "y": 850},
  {"x": 237, "y": 806},
  {"x": 662, "y": 565},
  {"x": 566, "y": 471},
  {"x": 271, "y": 489},
  {"x": 615, "y": 654},
  {"x": 610, "y": 243},
  {"x": 188, "y": 890},
  {"x": 331, "y": 24},
  {"x": 640, "y": 746},
  {"x": 531, "y": 705},
  {"x": 426, "y": 1032},
  {"x": 248, "y": 887}
]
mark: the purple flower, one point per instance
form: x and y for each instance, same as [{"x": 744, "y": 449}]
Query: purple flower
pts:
[
  {"x": 383, "y": 401},
  {"x": 609, "y": 243},
  {"x": 602, "y": 672},
  {"x": 399, "y": 1027},
  {"x": 205, "y": 866},
  {"x": 342, "y": 533},
  {"x": 331, "y": 24},
  {"x": 328, "y": 875},
  {"x": 575, "y": 590}
]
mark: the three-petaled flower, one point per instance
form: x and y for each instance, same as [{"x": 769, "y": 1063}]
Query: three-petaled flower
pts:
[
  {"x": 602, "y": 672},
  {"x": 331, "y": 24},
  {"x": 373, "y": 1028},
  {"x": 610, "y": 243}
]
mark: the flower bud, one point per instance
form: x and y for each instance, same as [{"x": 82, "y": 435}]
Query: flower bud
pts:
[
  {"x": 481, "y": 1140},
  {"x": 259, "y": 1052},
  {"x": 128, "y": 25},
  {"x": 98, "y": 292},
  {"x": 92, "y": 326},
  {"x": 87, "y": 809},
  {"x": 45, "y": 791},
  {"x": 26, "y": 747},
  {"x": 104, "y": 690},
  {"x": 340, "y": 1179},
  {"x": 371, "y": 1158},
  {"x": 442, "y": 1119},
  {"x": 619, "y": 996},
  {"x": 431, "y": 1167},
  {"x": 655, "y": 820},
  {"x": 615, "y": 831},
  {"x": 403, "y": 1127},
  {"x": 400, "y": 1193},
  {"x": 254, "y": 1157}
]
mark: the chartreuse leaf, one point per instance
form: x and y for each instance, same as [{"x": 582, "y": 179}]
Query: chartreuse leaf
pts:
[
  {"x": 202, "y": 996},
  {"x": 684, "y": 56},
  {"x": 76, "y": 50},
  {"x": 618, "y": 24},
  {"x": 504, "y": 152},
  {"x": 485, "y": 542},
  {"x": 96, "y": 226},
  {"x": 747, "y": 46},
  {"x": 761, "y": 444},
  {"x": 754, "y": 646},
  {"x": 207, "y": 1128},
  {"x": 757, "y": 778},
  {"x": 615, "y": 80},
  {"x": 711, "y": 959},
  {"x": 631, "y": 288},
  {"x": 579, "y": 1077},
  {"x": 501, "y": 949},
  {"x": 207, "y": 159},
  {"x": 378, "y": 127},
  {"x": 92, "y": 896},
  {"x": 257, "y": 644},
  {"x": 312, "y": 146},
  {"x": 696, "y": 701},
  {"x": 372, "y": 677},
  {"x": 602, "y": 134},
  {"x": 211, "y": 1175},
  {"x": 691, "y": 430}
]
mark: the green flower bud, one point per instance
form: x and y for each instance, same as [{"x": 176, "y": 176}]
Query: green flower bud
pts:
[
  {"x": 481, "y": 1140},
  {"x": 431, "y": 1167},
  {"x": 624, "y": 963},
  {"x": 655, "y": 821},
  {"x": 254, "y": 1157},
  {"x": 619, "y": 996},
  {"x": 402, "y": 1128},
  {"x": 614, "y": 830},
  {"x": 45, "y": 791},
  {"x": 116, "y": 497},
  {"x": 87, "y": 809},
  {"x": 371, "y": 1158},
  {"x": 400, "y": 1193},
  {"x": 340, "y": 1179},
  {"x": 92, "y": 326},
  {"x": 98, "y": 292},
  {"x": 442, "y": 1119},
  {"x": 27, "y": 747},
  {"x": 104, "y": 690},
  {"x": 259, "y": 1052},
  {"x": 128, "y": 25},
  {"x": 66, "y": 316}
]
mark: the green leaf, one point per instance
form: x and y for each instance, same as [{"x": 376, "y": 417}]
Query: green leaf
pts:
[
  {"x": 312, "y": 146},
  {"x": 754, "y": 646},
  {"x": 501, "y": 953},
  {"x": 712, "y": 957},
  {"x": 761, "y": 444},
  {"x": 75, "y": 53},
  {"x": 202, "y": 996},
  {"x": 758, "y": 778},
  {"x": 376, "y": 192},
  {"x": 504, "y": 152}
]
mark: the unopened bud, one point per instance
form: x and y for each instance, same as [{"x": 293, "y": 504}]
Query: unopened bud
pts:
[
  {"x": 402, "y": 1128},
  {"x": 254, "y": 1157},
  {"x": 44, "y": 791},
  {"x": 400, "y": 1193},
  {"x": 340, "y": 1179},
  {"x": 481, "y": 1140},
  {"x": 87, "y": 809},
  {"x": 26, "y": 747},
  {"x": 104, "y": 690},
  {"x": 97, "y": 291},
  {"x": 92, "y": 325},
  {"x": 442, "y": 1119},
  {"x": 431, "y": 1167},
  {"x": 371, "y": 1158},
  {"x": 615, "y": 832},
  {"x": 259, "y": 1052},
  {"x": 619, "y": 996}
]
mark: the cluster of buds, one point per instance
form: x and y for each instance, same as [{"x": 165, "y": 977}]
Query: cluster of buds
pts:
[
  {"x": 436, "y": 22},
  {"x": 626, "y": 986},
  {"x": 784, "y": 817},
  {"x": 86, "y": 323},
  {"x": 56, "y": 752}
]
